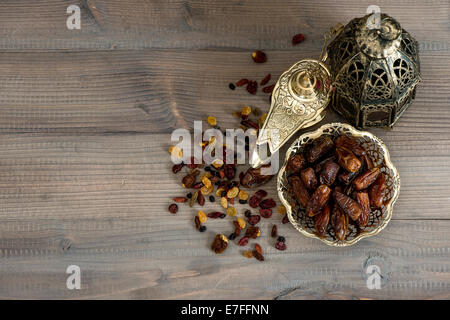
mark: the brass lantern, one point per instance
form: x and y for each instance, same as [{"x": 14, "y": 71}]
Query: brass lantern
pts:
[{"x": 374, "y": 71}]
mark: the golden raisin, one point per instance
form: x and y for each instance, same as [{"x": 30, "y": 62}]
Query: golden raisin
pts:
[
  {"x": 206, "y": 181},
  {"x": 219, "y": 191},
  {"x": 246, "y": 110},
  {"x": 232, "y": 193},
  {"x": 248, "y": 254},
  {"x": 212, "y": 120},
  {"x": 243, "y": 195},
  {"x": 241, "y": 223},
  {"x": 176, "y": 152},
  {"x": 202, "y": 216},
  {"x": 224, "y": 202},
  {"x": 231, "y": 211},
  {"x": 205, "y": 190},
  {"x": 282, "y": 210}
]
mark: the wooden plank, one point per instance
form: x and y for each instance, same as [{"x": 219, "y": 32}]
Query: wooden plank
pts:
[
  {"x": 158, "y": 91},
  {"x": 163, "y": 256},
  {"x": 138, "y": 24},
  {"x": 93, "y": 176}
]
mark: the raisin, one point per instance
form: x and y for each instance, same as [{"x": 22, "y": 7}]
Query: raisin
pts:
[
  {"x": 261, "y": 193},
  {"x": 219, "y": 244},
  {"x": 268, "y": 89},
  {"x": 232, "y": 86},
  {"x": 200, "y": 199},
  {"x": 252, "y": 232},
  {"x": 243, "y": 242},
  {"x": 189, "y": 195},
  {"x": 253, "y": 219},
  {"x": 232, "y": 236},
  {"x": 274, "y": 231},
  {"x": 177, "y": 167},
  {"x": 202, "y": 229},
  {"x": 298, "y": 38},
  {"x": 242, "y": 201},
  {"x": 265, "y": 80},
  {"x": 212, "y": 199},
  {"x": 267, "y": 204},
  {"x": 215, "y": 215},
  {"x": 252, "y": 87},
  {"x": 197, "y": 223},
  {"x": 188, "y": 181},
  {"x": 265, "y": 213},
  {"x": 259, "y": 56},
  {"x": 241, "y": 82},
  {"x": 281, "y": 239},
  {"x": 180, "y": 199},
  {"x": 280, "y": 246},
  {"x": 285, "y": 219},
  {"x": 173, "y": 208},
  {"x": 258, "y": 255},
  {"x": 254, "y": 201},
  {"x": 247, "y": 213}
]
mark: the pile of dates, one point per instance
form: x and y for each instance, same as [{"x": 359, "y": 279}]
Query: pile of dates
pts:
[{"x": 336, "y": 183}]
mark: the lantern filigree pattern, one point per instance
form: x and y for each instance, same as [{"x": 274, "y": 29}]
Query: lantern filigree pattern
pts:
[{"x": 375, "y": 72}]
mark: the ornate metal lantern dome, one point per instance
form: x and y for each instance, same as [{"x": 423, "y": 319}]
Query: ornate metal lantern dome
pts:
[{"x": 374, "y": 72}]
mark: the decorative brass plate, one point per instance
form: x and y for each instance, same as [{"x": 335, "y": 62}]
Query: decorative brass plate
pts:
[{"x": 380, "y": 156}]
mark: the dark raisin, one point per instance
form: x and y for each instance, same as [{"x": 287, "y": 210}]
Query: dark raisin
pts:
[
  {"x": 259, "y": 56},
  {"x": 253, "y": 219},
  {"x": 232, "y": 236},
  {"x": 265, "y": 213},
  {"x": 247, "y": 213},
  {"x": 242, "y": 201},
  {"x": 223, "y": 215},
  {"x": 274, "y": 231},
  {"x": 173, "y": 208},
  {"x": 232, "y": 86},
  {"x": 212, "y": 199},
  {"x": 202, "y": 229},
  {"x": 223, "y": 194},
  {"x": 280, "y": 246},
  {"x": 285, "y": 219},
  {"x": 207, "y": 169},
  {"x": 298, "y": 38},
  {"x": 189, "y": 195},
  {"x": 281, "y": 239}
]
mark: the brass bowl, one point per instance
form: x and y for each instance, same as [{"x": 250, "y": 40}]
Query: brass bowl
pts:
[{"x": 379, "y": 154}]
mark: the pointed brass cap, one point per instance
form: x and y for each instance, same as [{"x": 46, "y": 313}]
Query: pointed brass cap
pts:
[{"x": 299, "y": 99}]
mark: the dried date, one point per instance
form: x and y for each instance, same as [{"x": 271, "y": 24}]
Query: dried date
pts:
[
  {"x": 300, "y": 192},
  {"x": 366, "y": 179},
  {"x": 329, "y": 173},
  {"x": 339, "y": 221},
  {"x": 253, "y": 177},
  {"x": 295, "y": 163},
  {"x": 309, "y": 178},
  {"x": 350, "y": 144},
  {"x": 347, "y": 159},
  {"x": 321, "y": 221},
  {"x": 364, "y": 202},
  {"x": 318, "y": 200},
  {"x": 319, "y": 148},
  {"x": 348, "y": 205},
  {"x": 376, "y": 191}
]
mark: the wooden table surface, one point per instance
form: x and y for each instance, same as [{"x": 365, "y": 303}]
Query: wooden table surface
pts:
[{"x": 85, "y": 123}]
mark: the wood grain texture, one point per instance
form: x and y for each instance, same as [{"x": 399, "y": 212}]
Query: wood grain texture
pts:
[
  {"x": 180, "y": 24},
  {"x": 85, "y": 123}
]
